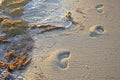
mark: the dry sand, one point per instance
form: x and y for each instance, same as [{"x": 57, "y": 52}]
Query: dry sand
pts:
[{"x": 87, "y": 52}]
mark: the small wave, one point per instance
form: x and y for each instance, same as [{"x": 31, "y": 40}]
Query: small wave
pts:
[{"x": 45, "y": 11}]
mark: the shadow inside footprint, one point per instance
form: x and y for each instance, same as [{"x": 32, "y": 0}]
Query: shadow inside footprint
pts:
[
  {"x": 95, "y": 31},
  {"x": 99, "y": 8},
  {"x": 63, "y": 64},
  {"x": 63, "y": 55},
  {"x": 63, "y": 59}
]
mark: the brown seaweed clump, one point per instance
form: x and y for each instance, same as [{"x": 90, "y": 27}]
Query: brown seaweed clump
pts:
[
  {"x": 13, "y": 27},
  {"x": 14, "y": 8},
  {"x": 14, "y": 61},
  {"x": 13, "y": 3},
  {"x": 2, "y": 18},
  {"x": 16, "y": 11}
]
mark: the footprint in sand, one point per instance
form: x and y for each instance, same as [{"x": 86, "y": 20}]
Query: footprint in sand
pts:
[
  {"x": 96, "y": 30},
  {"x": 59, "y": 59},
  {"x": 63, "y": 59},
  {"x": 99, "y": 8}
]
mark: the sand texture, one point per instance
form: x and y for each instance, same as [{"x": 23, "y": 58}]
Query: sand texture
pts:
[{"x": 88, "y": 50}]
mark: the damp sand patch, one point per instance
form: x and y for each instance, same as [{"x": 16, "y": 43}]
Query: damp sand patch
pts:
[{"x": 17, "y": 43}]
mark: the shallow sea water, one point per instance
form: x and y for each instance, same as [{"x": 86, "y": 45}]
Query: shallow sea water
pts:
[
  {"x": 37, "y": 12},
  {"x": 45, "y": 11},
  {"x": 41, "y": 11}
]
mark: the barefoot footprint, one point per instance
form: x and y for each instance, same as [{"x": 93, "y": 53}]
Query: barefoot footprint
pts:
[
  {"x": 63, "y": 59},
  {"x": 59, "y": 59},
  {"x": 96, "y": 30},
  {"x": 99, "y": 8}
]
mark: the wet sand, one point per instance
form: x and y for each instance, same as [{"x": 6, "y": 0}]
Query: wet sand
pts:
[{"x": 86, "y": 51}]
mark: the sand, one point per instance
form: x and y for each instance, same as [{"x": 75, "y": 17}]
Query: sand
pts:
[{"x": 87, "y": 51}]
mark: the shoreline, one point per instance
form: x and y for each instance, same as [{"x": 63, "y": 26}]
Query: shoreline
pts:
[
  {"x": 88, "y": 50},
  {"x": 91, "y": 57}
]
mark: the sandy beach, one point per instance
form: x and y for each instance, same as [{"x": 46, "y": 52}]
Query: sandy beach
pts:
[
  {"x": 88, "y": 50},
  {"x": 80, "y": 53}
]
